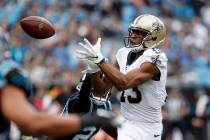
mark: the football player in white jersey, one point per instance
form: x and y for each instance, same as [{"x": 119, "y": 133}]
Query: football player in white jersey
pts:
[{"x": 140, "y": 72}]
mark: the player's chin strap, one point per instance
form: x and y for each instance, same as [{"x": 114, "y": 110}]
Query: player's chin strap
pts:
[{"x": 139, "y": 48}]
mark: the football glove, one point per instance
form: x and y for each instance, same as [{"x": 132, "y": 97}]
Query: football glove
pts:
[
  {"x": 90, "y": 67},
  {"x": 90, "y": 52},
  {"x": 101, "y": 118}
]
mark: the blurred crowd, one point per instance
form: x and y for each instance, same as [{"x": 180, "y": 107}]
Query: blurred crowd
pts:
[{"x": 54, "y": 69}]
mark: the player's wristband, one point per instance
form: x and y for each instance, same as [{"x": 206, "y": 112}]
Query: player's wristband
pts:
[{"x": 14, "y": 77}]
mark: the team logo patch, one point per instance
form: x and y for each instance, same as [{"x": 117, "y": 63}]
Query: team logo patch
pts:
[{"x": 155, "y": 60}]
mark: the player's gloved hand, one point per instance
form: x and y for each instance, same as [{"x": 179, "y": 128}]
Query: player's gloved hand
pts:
[
  {"x": 11, "y": 73},
  {"x": 90, "y": 67},
  {"x": 101, "y": 118},
  {"x": 90, "y": 52}
]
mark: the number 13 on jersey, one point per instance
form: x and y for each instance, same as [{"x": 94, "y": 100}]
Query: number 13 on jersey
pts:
[{"x": 134, "y": 100}]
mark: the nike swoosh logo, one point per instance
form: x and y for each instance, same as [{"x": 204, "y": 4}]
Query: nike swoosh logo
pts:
[{"x": 156, "y": 135}]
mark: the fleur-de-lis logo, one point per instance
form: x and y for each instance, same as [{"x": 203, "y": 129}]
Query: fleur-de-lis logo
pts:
[
  {"x": 156, "y": 26},
  {"x": 155, "y": 60}
]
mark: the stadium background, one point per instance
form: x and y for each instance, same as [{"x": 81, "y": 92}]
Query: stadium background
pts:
[{"x": 53, "y": 68}]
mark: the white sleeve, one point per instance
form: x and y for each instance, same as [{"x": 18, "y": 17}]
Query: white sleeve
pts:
[{"x": 156, "y": 57}]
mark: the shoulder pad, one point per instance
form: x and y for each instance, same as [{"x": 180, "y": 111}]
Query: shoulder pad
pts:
[
  {"x": 156, "y": 56},
  {"x": 154, "y": 52},
  {"x": 5, "y": 67}
]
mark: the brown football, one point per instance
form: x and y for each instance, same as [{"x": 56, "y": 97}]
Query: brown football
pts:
[{"x": 37, "y": 27}]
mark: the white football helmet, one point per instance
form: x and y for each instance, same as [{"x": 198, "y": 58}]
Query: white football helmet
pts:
[{"x": 153, "y": 27}]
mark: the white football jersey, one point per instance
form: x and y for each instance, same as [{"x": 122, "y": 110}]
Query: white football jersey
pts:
[{"x": 143, "y": 103}]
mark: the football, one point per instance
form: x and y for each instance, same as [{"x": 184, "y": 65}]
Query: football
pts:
[{"x": 37, "y": 27}]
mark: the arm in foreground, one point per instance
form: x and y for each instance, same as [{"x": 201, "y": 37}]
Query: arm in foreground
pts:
[{"x": 32, "y": 122}]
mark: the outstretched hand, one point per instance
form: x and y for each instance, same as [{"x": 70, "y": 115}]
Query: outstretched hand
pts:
[
  {"x": 91, "y": 67},
  {"x": 90, "y": 52}
]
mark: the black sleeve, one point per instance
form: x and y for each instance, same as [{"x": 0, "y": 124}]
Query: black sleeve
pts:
[{"x": 82, "y": 104}]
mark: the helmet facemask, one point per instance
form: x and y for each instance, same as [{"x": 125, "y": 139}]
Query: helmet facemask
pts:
[
  {"x": 100, "y": 100},
  {"x": 128, "y": 40}
]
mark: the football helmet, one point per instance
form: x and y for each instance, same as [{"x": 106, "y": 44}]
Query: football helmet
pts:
[
  {"x": 153, "y": 28},
  {"x": 98, "y": 100}
]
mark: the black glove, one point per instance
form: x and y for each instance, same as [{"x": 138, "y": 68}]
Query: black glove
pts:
[{"x": 101, "y": 118}]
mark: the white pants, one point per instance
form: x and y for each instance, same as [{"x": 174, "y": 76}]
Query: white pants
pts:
[{"x": 139, "y": 131}]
